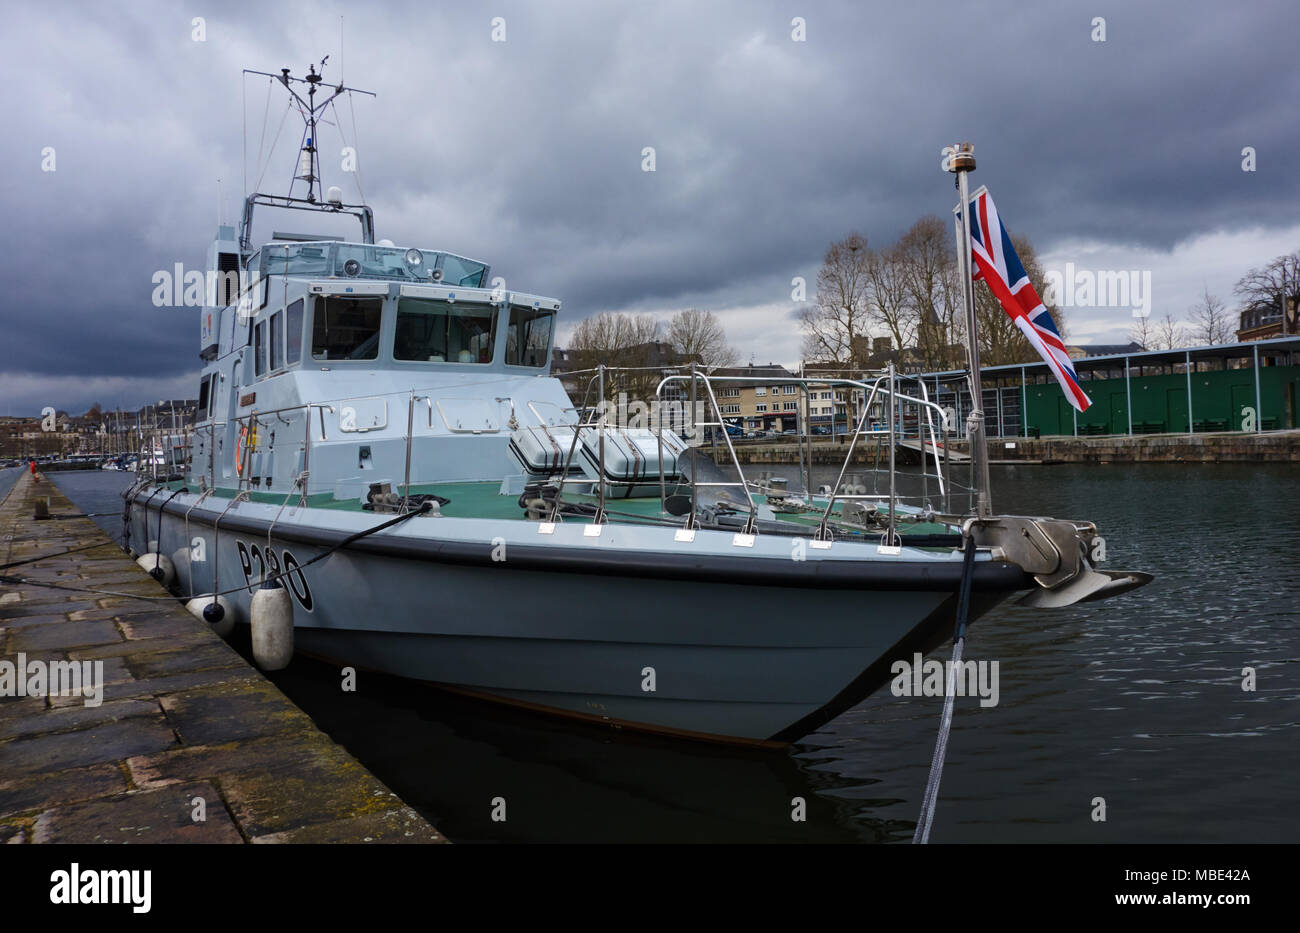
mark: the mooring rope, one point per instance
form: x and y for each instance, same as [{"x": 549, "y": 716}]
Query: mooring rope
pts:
[
  {"x": 158, "y": 550},
  {"x": 33, "y": 560},
  {"x": 931, "y": 798}
]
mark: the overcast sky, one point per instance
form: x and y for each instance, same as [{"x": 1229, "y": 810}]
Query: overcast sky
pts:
[{"x": 1115, "y": 155}]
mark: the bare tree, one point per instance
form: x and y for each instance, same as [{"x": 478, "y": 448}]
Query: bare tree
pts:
[
  {"x": 1261, "y": 289},
  {"x": 892, "y": 309},
  {"x": 1210, "y": 321},
  {"x": 611, "y": 338},
  {"x": 832, "y": 327},
  {"x": 927, "y": 256},
  {"x": 698, "y": 335},
  {"x": 618, "y": 340},
  {"x": 1169, "y": 334},
  {"x": 1143, "y": 332},
  {"x": 912, "y": 292}
]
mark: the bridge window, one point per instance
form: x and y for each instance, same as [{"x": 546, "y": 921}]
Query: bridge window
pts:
[
  {"x": 227, "y": 280},
  {"x": 293, "y": 332},
  {"x": 435, "y": 331},
  {"x": 259, "y": 349},
  {"x": 529, "y": 338},
  {"x": 457, "y": 270},
  {"x": 277, "y": 341},
  {"x": 346, "y": 328}
]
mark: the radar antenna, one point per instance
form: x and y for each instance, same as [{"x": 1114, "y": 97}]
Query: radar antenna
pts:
[{"x": 307, "y": 168}]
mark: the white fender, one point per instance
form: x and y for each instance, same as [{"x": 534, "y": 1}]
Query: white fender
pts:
[
  {"x": 158, "y": 566},
  {"x": 217, "y": 611},
  {"x": 181, "y": 564},
  {"x": 271, "y": 615}
]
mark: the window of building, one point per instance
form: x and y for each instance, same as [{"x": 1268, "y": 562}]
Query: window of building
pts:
[
  {"x": 789, "y": 390},
  {"x": 826, "y": 396},
  {"x": 731, "y": 393},
  {"x": 788, "y": 406},
  {"x": 205, "y": 386},
  {"x": 529, "y": 338},
  {"x": 436, "y": 331},
  {"x": 760, "y": 408},
  {"x": 293, "y": 332},
  {"x": 731, "y": 409},
  {"x": 346, "y": 328},
  {"x": 760, "y": 391}
]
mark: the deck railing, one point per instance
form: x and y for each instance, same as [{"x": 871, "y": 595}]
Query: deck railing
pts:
[
  {"x": 932, "y": 439},
  {"x": 906, "y": 418}
]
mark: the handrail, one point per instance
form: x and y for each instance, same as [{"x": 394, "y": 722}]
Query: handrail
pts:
[
  {"x": 874, "y": 389},
  {"x": 410, "y": 442},
  {"x": 701, "y": 389},
  {"x": 573, "y": 446},
  {"x": 255, "y": 416}
]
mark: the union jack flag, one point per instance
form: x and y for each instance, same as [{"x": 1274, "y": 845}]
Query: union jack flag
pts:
[{"x": 998, "y": 265}]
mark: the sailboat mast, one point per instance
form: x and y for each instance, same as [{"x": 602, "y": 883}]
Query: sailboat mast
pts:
[{"x": 960, "y": 160}]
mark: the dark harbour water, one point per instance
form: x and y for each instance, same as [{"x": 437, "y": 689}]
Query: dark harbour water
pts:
[
  {"x": 1137, "y": 700},
  {"x": 7, "y": 478}
]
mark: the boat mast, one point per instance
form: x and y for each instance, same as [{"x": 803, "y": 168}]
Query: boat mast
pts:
[
  {"x": 308, "y": 164},
  {"x": 309, "y": 161},
  {"x": 960, "y": 160}
]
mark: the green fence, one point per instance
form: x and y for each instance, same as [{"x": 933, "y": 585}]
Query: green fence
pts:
[{"x": 1221, "y": 400}]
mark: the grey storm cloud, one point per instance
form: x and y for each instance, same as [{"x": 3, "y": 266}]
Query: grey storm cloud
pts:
[{"x": 527, "y": 153}]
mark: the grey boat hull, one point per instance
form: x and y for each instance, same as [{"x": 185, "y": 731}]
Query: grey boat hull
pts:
[{"x": 753, "y": 648}]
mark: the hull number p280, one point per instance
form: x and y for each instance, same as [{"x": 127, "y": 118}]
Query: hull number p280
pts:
[{"x": 266, "y": 561}]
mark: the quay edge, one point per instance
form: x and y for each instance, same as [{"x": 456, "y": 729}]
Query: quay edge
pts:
[
  {"x": 182, "y": 715},
  {"x": 1228, "y": 447}
]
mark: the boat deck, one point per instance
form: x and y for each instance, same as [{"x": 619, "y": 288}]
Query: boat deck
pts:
[{"x": 484, "y": 500}]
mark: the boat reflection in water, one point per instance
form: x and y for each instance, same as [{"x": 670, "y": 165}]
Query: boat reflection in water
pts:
[{"x": 450, "y": 757}]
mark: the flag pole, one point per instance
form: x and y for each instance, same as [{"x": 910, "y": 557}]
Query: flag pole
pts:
[{"x": 960, "y": 160}]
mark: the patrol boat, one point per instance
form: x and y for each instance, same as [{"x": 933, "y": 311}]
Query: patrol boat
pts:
[{"x": 383, "y": 458}]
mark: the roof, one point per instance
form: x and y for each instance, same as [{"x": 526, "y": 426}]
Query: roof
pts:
[
  {"x": 774, "y": 370},
  {"x": 1107, "y": 349},
  {"x": 1153, "y": 357}
]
